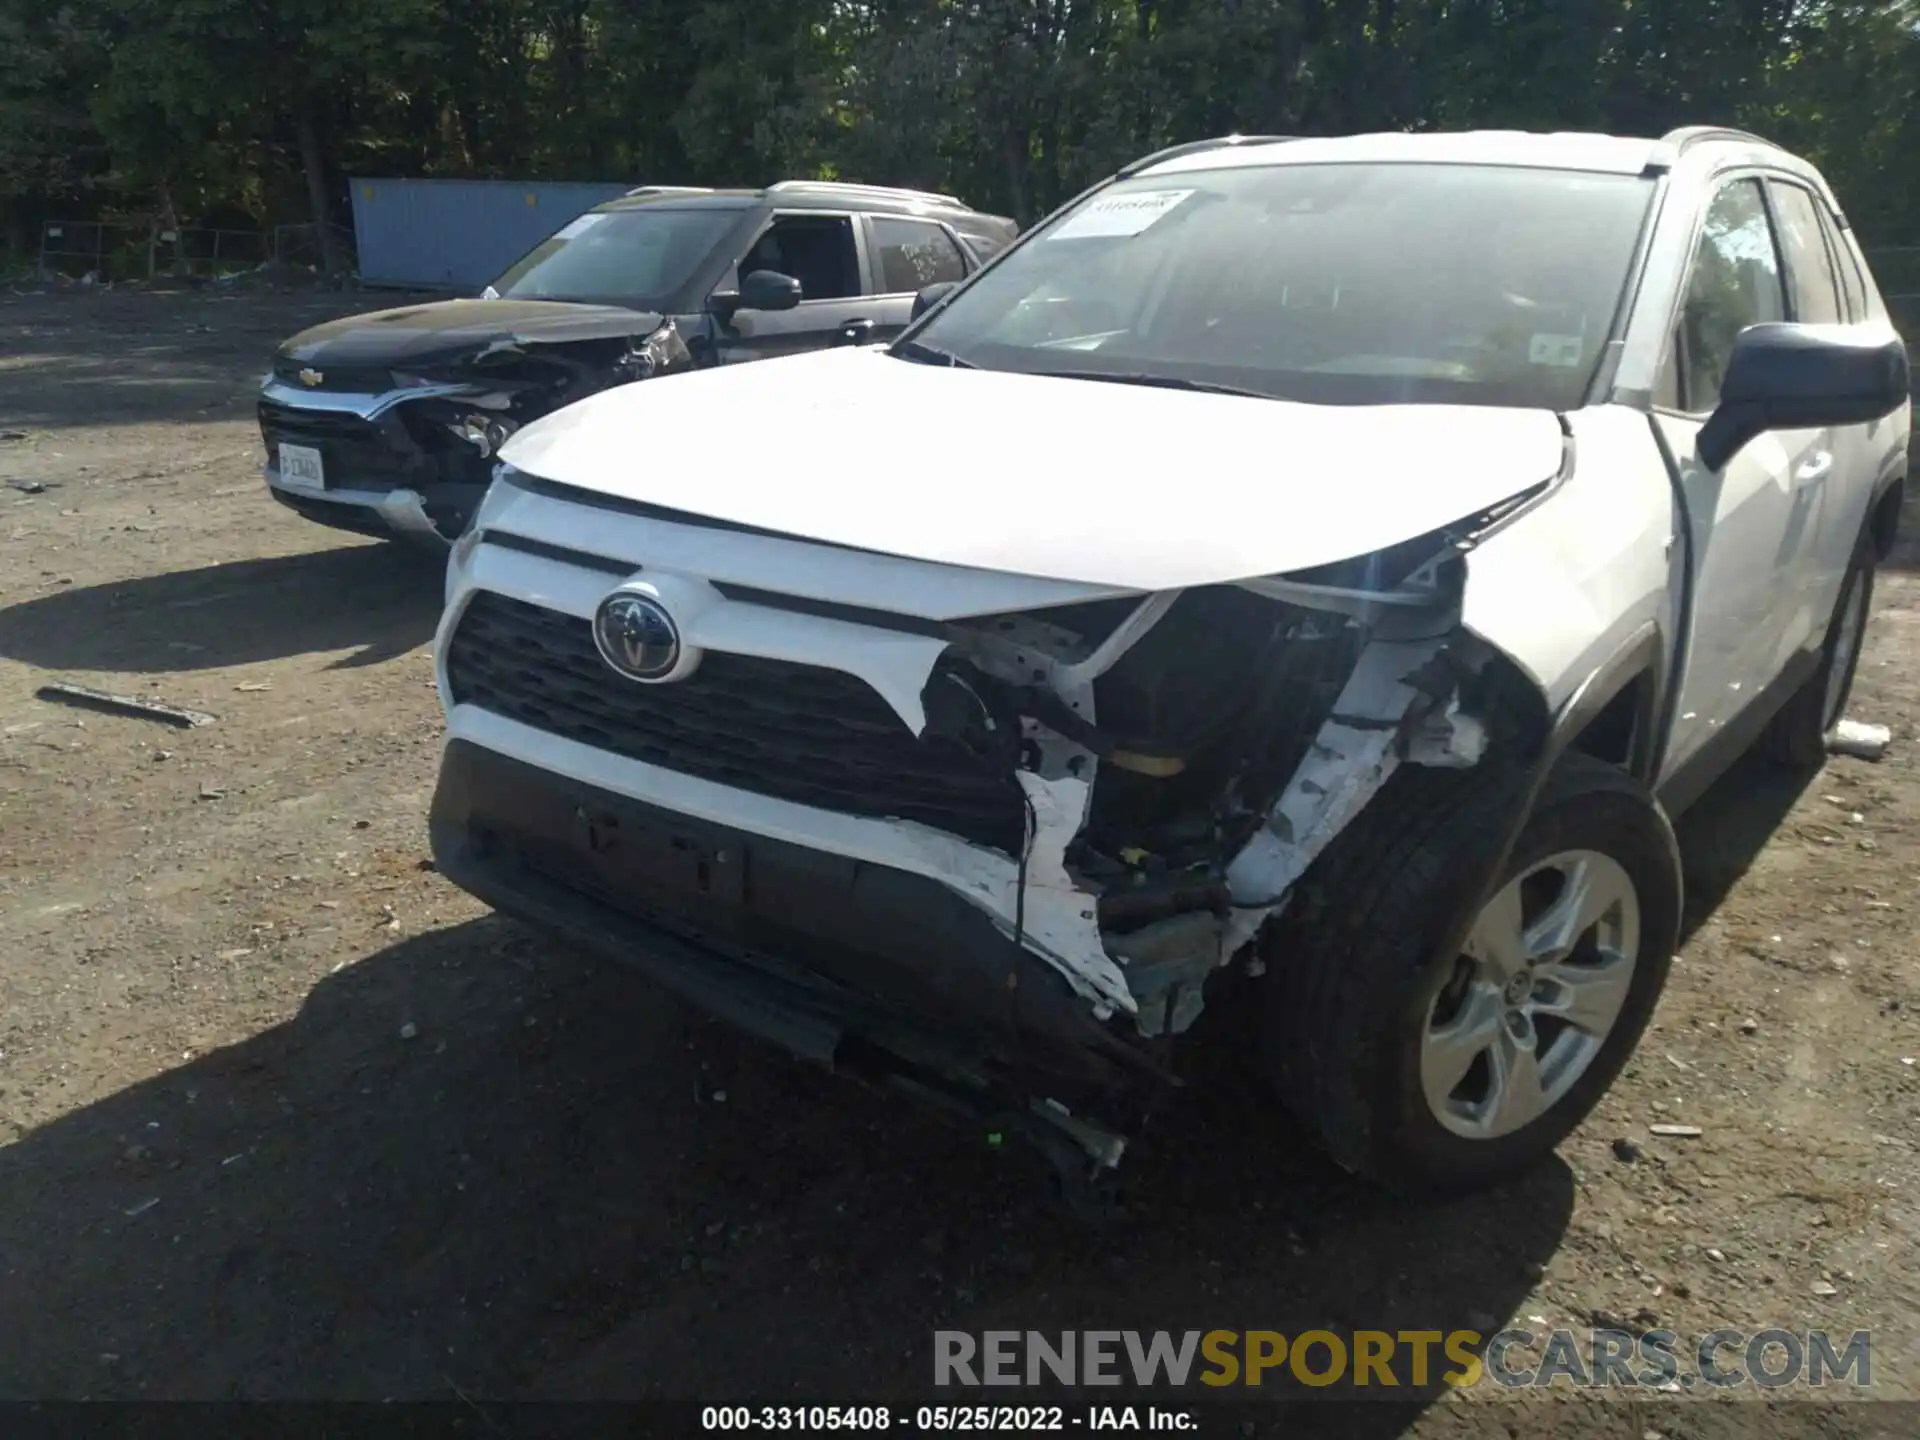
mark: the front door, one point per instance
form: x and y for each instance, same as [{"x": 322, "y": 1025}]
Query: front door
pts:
[
  {"x": 1756, "y": 523},
  {"x": 820, "y": 250}
]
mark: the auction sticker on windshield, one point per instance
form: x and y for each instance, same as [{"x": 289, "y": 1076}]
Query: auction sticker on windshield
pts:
[
  {"x": 301, "y": 468},
  {"x": 1119, "y": 214}
]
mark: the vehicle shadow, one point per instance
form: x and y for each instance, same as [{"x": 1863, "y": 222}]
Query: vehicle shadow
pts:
[
  {"x": 472, "y": 1164},
  {"x": 1725, "y": 830},
  {"x": 379, "y": 600}
]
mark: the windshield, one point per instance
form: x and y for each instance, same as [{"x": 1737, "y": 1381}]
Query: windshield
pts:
[
  {"x": 618, "y": 257},
  {"x": 1343, "y": 284}
]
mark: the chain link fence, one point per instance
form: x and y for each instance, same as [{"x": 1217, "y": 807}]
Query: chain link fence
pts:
[{"x": 112, "y": 252}]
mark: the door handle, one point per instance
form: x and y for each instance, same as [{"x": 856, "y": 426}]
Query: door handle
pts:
[
  {"x": 1814, "y": 469},
  {"x": 854, "y": 332}
]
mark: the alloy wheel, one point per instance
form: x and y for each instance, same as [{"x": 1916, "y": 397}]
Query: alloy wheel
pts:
[{"x": 1529, "y": 1004}]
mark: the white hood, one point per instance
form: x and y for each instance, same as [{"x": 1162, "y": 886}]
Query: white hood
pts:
[{"x": 1104, "y": 484}]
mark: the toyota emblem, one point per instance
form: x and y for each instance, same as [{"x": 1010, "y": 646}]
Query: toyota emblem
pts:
[{"x": 636, "y": 636}]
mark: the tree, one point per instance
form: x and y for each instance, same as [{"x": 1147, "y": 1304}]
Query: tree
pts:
[{"x": 266, "y": 105}]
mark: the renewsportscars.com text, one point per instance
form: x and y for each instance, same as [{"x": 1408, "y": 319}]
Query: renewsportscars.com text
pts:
[{"x": 1412, "y": 1359}]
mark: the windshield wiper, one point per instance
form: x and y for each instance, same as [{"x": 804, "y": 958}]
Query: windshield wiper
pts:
[
  {"x": 1163, "y": 382},
  {"x": 927, "y": 355}
]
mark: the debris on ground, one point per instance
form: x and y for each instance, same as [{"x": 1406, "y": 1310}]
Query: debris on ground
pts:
[
  {"x": 1677, "y": 1132},
  {"x": 1860, "y": 740},
  {"x": 88, "y": 698},
  {"x": 1624, "y": 1149},
  {"x": 32, "y": 487}
]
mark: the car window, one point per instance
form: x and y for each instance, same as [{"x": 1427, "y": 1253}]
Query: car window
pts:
[
  {"x": 1848, "y": 267},
  {"x": 1735, "y": 282},
  {"x": 816, "y": 250},
  {"x": 1355, "y": 283},
  {"x": 1816, "y": 293},
  {"x": 639, "y": 257},
  {"x": 914, "y": 254},
  {"x": 984, "y": 246}
]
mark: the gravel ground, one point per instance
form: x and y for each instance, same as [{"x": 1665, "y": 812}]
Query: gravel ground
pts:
[{"x": 282, "y": 1114}]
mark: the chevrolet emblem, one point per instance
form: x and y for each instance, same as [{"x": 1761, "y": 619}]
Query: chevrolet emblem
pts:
[{"x": 311, "y": 378}]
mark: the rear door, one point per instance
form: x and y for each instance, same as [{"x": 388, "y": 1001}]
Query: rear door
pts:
[
  {"x": 1874, "y": 453},
  {"x": 908, "y": 254},
  {"x": 1754, "y": 523},
  {"x": 821, "y": 249},
  {"x": 1829, "y": 464}
]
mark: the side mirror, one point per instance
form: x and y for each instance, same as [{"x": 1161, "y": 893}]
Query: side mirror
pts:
[
  {"x": 930, "y": 297},
  {"x": 760, "y": 290},
  {"x": 1802, "y": 377},
  {"x": 769, "y": 290}
]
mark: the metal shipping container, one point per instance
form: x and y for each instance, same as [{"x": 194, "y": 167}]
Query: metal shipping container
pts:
[{"x": 459, "y": 234}]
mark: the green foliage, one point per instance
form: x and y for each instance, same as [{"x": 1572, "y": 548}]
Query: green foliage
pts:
[
  {"x": 47, "y": 143},
  {"x": 265, "y": 106}
]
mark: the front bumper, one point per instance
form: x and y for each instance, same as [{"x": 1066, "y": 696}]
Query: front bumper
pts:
[
  {"x": 852, "y": 965},
  {"x": 381, "y": 479},
  {"x": 401, "y": 513}
]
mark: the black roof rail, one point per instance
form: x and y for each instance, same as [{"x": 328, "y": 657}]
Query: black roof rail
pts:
[
  {"x": 1687, "y": 135},
  {"x": 667, "y": 190},
  {"x": 1196, "y": 147}
]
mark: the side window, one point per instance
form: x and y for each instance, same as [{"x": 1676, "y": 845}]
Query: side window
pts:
[
  {"x": 1816, "y": 295},
  {"x": 1735, "y": 283},
  {"x": 1849, "y": 268},
  {"x": 985, "y": 246},
  {"x": 914, "y": 254},
  {"x": 816, "y": 250}
]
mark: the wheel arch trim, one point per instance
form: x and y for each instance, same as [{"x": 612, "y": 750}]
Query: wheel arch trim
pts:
[
  {"x": 1642, "y": 658},
  {"x": 1643, "y": 653}
]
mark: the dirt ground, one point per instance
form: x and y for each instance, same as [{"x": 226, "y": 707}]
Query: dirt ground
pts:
[{"x": 282, "y": 1114}]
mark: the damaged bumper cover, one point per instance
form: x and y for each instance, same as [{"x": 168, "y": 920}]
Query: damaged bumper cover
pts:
[
  {"x": 1011, "y": 872},
  {"x": 860, "y": 967},
  {"x": 390, "y": 452}
]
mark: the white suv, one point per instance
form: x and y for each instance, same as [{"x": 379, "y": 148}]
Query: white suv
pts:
[{"x": 1308, "y": 572}]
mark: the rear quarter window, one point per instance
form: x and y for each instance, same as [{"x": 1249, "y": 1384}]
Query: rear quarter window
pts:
[{"x": 984, "y": 247}]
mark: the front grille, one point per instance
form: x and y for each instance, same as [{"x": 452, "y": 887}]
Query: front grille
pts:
[
  {"x": 793, "y": 732},
  {"x": 357, "y": 453},
  {"x": 353, "y": 380}
]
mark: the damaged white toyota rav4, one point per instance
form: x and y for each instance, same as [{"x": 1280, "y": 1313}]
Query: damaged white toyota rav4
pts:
[{"x": 1303, "y": 576}]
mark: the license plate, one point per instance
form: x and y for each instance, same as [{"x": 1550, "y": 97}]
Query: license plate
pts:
[{"x": 301, "y": 469}]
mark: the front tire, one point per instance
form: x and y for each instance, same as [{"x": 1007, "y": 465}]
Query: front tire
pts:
[{"x": 1453, "y": 1072}]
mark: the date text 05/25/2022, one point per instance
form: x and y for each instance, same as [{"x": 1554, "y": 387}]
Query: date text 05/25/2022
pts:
[{"x": 942, "y": 1419}]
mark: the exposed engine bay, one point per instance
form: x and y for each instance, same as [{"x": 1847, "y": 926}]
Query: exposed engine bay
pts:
[
  {"x": 417, "y": 434},
  {"x": 1183, "y": 759},
  {"x": 513, "y": 382}
]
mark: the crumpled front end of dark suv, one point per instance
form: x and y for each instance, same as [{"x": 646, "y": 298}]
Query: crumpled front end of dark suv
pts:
[{"x": 429, "y": 434}]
